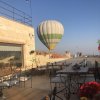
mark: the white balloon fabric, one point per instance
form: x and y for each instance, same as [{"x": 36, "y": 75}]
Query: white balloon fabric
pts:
[{"x": 50, "y": 33}]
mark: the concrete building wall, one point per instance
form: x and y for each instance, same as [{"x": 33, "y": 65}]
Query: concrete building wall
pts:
[{"x": 13, "y": 32}]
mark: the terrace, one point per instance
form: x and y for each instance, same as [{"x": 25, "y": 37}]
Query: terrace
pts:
[{"x": 38, "y": 86}]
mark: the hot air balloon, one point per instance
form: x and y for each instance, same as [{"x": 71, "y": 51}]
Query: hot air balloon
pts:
[
  {"x": 50, "y": 33},
  {"x": 99, "y": 45}
]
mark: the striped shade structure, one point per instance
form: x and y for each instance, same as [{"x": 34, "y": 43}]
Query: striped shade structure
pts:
[{"x": 50, "y": 33}]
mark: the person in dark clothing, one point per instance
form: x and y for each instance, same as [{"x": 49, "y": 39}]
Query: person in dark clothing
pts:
[
  {"x": 96, "y": 64},
  {"x": 97, "y": 96},
  {"x": 1, "y": 93},
  {"x": 96, "y": 71}
]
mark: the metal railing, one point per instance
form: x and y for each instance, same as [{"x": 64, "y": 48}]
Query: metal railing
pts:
[{"x": 13, "y": 13}]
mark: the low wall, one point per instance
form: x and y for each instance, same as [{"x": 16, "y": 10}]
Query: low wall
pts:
[{"x": 42, "y": 60}]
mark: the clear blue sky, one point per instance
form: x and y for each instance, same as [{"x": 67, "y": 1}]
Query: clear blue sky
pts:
[{"x": 80, "y": 18}]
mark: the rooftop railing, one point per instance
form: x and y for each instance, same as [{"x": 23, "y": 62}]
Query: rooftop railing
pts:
[{"x": 13, "y": 13}]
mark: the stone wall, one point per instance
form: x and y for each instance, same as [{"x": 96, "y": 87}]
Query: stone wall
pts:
[{"x": 42, "y": 60}]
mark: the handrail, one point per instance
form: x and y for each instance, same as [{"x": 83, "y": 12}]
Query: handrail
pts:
[{"x": 13, "y": 13}]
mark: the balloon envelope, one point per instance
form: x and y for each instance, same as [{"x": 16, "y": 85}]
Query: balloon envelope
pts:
[
  {"x": 50, "y": 33},
  {"x": 99, "y": 47}
]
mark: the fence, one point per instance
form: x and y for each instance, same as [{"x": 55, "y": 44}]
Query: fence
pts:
[{"x": 11, "y": 12}]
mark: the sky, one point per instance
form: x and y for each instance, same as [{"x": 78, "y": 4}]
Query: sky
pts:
[{"x": 80, "y": 19}]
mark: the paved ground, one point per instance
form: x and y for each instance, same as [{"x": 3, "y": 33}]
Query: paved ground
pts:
[{"x": 40, "y": 88}]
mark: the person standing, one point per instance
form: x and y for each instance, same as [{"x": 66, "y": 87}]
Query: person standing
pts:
[{"x": 85, "y": 62}]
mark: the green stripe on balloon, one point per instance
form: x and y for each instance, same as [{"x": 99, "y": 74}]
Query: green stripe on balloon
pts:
[{"x": 52, "y": 36}]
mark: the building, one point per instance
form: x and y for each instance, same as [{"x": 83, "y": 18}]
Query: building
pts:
[
  {"x": 67, "y": 54},
  {"x": 15, "y": 36}
]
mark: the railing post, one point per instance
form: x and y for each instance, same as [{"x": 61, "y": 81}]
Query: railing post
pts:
[
  {"x": 13, "y": 13},
  {"x": 24, "y": 17}
]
